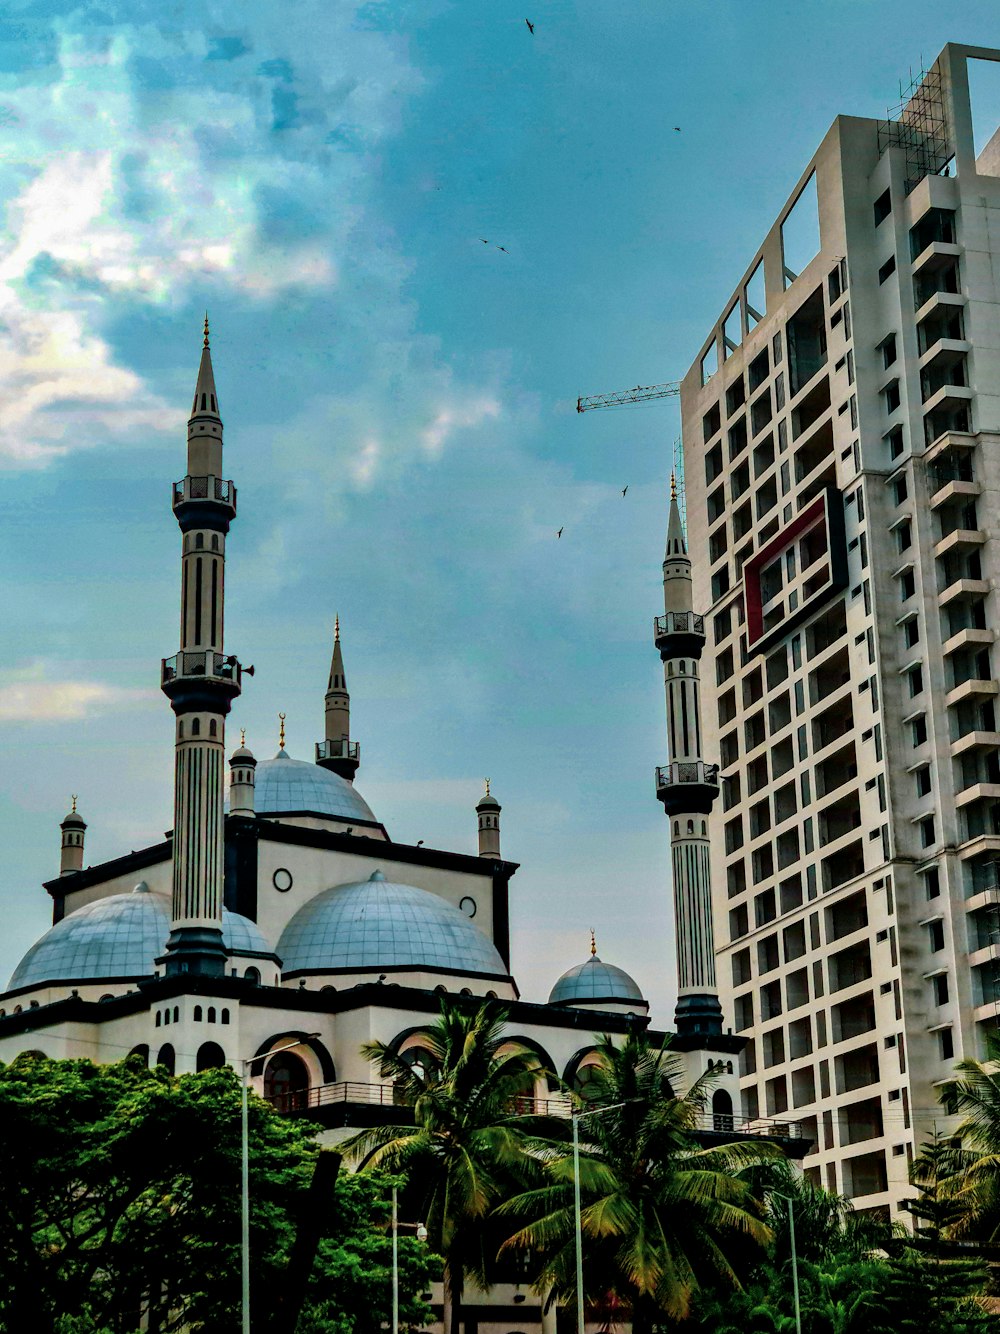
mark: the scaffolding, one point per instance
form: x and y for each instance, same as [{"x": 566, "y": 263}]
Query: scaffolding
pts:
[{"x": 918, "y": 126}]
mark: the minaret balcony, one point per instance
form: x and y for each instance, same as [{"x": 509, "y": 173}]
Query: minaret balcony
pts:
[
  {"x": 341, "y": 755},
  {"x": 689, "y": 787},
  {"x": 679, "y": 634},
  {"x": 201, "y": 679},
  {"x": 208, "y": 502}
]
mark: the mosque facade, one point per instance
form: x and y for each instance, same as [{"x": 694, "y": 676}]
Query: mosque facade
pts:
[{"x": 291, "y": 915}]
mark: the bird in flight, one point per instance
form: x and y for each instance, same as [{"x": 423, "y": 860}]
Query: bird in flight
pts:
[
  {"x": 677, "y": 128},
  {"x": 504, "y": 249},
  {"x": 560, "y": 533},
  {"x": 484, "y": 242},
  {"x": 531, "y": 26},
  {"x": 626, "y": 488}
]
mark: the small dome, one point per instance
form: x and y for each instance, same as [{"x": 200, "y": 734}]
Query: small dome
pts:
[
  {"x": 243, "y": 755},
  {"x": 374, "y": 924},
  {"x": 119, "y": 937},
  {"x": 285, "y": 786},
  {"x": 594, "y": 981}
]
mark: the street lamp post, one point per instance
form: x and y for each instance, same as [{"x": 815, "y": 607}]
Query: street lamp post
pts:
[
  {"x": 795, "y": 1260},
  {"x": 245, "y": 1169},
  {"x": 576, "y": 1118},
  {"x": 421, "y": 1235}
]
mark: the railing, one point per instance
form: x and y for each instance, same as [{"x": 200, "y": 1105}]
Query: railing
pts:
[
  {"x": 349, "y": 1092},
  {"x": 694, "y": 771},
  {"x": 204, "y": 488},
  {"x": 678, "y": 623},
  {"x": 338, "y": 750},
  {"x": 204, "y": 662}
]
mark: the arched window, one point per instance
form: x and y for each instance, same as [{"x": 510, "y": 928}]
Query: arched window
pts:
[
  {"x": 211, "y": 1014},
  {"x": 225, "y": 1016},
  {"x": 157, "y": 1019},
  {"x": 722, "y": 1110},
  {"x": 690, "y": 826},
  {"x": 199, "y": 540},
  {"x": 197, "y": 1014},
  {"x": 166, "y": 1058},
  {"x": 286, "y": 1082},
  {"x": 141, "y": 1050},
  {"x": 177, "y": 1015},
  {"x": 677, "y": 827},
  {"x": 210, "y": 1056},
  {"x": 212, "y": 730},
  {"x": 253, "y": 975},
  {"x": 704, "y": 828},
  {"x": 166, "y": 1016},
  {"x": 215, "y": 541},
  {"x": 196, "y": 727},
  {"x": 180, "y": 729}
]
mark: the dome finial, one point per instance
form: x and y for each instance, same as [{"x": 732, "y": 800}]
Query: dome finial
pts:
[
  {"x": 336, "y": 627},
  {"x": 243, "y": 736},
  {"x": 487, "y": 782},
  {"x": 206, "y": 328},
  {"x": 673, "y": 486},
  {"x": 281, "y": 731},
  {"x": 593, "y": 944},
  {"x": 74, "y": 803}
]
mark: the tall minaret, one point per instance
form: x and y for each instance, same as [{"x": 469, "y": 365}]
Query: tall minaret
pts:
[
  {"x": 201, "y": 684},
  {"x": 338, "y": 752},
  {"x": 688, "y": 787},
  {"x": 71, "y": 851},
  {"x": 488, "y": 811}
]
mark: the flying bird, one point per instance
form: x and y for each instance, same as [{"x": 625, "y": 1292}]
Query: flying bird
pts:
[
  {"x": 504, "y": 249},
  {"x": 531, "y": 26},
  {"x": 623, "y": 492},
  {"x": 677, "y": 128},
  {"x": 484, "y": 242},
  {"x": 560, "y": 533}
]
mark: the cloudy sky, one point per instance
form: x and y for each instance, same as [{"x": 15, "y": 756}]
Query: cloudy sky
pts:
[{"x": 398, "y": 395}]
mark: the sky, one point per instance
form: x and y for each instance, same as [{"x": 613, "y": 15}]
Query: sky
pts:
[{"x": 334, "y": 182}]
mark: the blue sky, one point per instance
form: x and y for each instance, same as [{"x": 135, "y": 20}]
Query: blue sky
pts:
[{"x": 398, "y": 396}]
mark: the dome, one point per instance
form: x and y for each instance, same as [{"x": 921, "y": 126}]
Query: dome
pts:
[
  {"x": 594, "y": 981},
  {"x": 285, "y": 785},
  {"x": 118, "y": 937},
  {"x": 375, "y": 924}
]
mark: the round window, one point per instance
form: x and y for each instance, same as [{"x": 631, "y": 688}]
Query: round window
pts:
[
  {"x": 282, "y": 880},
  {"x": 468, "y": 906}
]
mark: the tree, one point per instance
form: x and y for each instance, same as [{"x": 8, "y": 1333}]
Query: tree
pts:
[
  {"x": 466, "y": 1146},
  {"x": 661, "y": 1214},
  {"x": 974, "y": 1157},
  {"x": 120, "y": 1202}
]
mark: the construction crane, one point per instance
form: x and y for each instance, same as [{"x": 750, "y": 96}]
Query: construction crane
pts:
[{"x": 641, "y": 394}]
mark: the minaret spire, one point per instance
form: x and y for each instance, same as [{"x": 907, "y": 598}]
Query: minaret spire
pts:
[
  {"x": 488, "y": 813},
  {"x": 337, "y": 751},
  {"x": 201, "y": 683},
  {"x": 688, "y": 787},
  {"x": 73, "y": 829}
]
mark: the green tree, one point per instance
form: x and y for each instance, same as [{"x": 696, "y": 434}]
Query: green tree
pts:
[
  {"x": 974, "y": 1156},
  {"x": 661, "y": 1215},
  {"x": 466, "y": 1147},
  {"x": 119, "y": 1201}
]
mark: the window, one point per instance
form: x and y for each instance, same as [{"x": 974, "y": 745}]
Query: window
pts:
[
  {"x": 915, "y": 680},
  {"x": 946, "y": 1044},
  {"x": 800, "y": 238},
  {"x": 911, "y": 632},
  {"x": 904, "y": 537},
  {"x": 882, "y": 207},
  {"x": 939, "y": 984},
  {"x": 709, "y": 363},
  {"x": 907, "y": 586},
  {"x": 927, "y": 831},
  {"x": 887, "y": 269},
  {"x": 899, "y": 490},
  {"x": 932, "y": 882},
  {"x": 891, "y": 395},
  {"x": 922, "y": 778},
  {"x": 935, "y": 932},
  {"x": 918, "y": 730},
  {"x": 888, "y": 346}
]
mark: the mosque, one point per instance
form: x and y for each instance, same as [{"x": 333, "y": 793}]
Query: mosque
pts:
[{"x": 290, "y": 918}]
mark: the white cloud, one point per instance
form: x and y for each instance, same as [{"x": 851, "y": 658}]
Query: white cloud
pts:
[
  {"x": 27, "y": 697},
  {"x": 455, "y": 417}
]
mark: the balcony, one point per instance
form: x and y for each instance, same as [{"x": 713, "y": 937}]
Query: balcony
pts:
[
  {"x": 202, "y": 499},
  {"x": 340, "y": 755},
  {"x": 679, "y": 634},
  {"x": 955, "y": 489},
  {"x": 973, "y": 689},
  {"x": 975, "y": 740},
  {"x": 688, "y": 787},
  {"x": 202, "y": 675},
  {"x": 963, "y": 590},
  {"x": 977, "y": 792},
  {"x": 959, "y": 540},
  {"x": 967, "y": 638}
]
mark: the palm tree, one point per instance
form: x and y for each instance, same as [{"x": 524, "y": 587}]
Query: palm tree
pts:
[
  {"x": 661, "y": 1214},
  {"x": 974, "y": 1153},
  {"x": 466, "y": 1147}
]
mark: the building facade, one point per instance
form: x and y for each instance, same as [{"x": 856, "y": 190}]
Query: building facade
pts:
[{"x": 841, "y": 432}]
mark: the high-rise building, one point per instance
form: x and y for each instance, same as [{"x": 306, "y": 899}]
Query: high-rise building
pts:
[{"x": 841, "y": 431}]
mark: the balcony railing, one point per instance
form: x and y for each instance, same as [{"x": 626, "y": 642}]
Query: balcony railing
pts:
[
  {"x": 202, "y": 663},
  {"x": 694, "y": 771},
  {"x": 348, "y": 1092},
  {"x": 341, "y": 749},
  {"x": 678, "y": 623},
  {"x": 204, "y": 488}
]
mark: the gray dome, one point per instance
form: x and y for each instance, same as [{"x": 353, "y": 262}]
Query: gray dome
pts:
[
  {"x": 374, "y": 924},
  {"x": 285, "y": 785},
  {"x": 118, "y": 937},
  {"x": 595, "y": 981}
]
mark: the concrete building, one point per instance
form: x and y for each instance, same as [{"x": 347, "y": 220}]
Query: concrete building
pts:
[{"x": 841, "y": 431}]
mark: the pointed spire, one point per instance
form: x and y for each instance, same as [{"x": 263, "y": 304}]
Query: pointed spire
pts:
[
  {"x": 337, "y": 751},
  {"x": 206, "y": 402},
  {"x": 336, "y": 628},
  {"x": 676, "y": 541}
]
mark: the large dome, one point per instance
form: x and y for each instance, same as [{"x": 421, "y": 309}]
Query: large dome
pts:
[
  {"x": 592, "y": 982},
  {"x": 285, "y": 786},
  {"x": 376, "y": 924},
  {"x": 119, "y": 937}
]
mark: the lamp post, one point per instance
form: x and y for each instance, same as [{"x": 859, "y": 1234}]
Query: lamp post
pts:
[
  {"x": 245, "y": 1168},
  {"x": 421, "y": 1235},
  {"x": 795, "y": 1259},
  {"x": 576, "y": 1118}
]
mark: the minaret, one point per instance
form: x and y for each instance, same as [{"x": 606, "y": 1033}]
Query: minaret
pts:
[
  {"x": 201, "y": 684},
  {"x": 242, "y": 776},
  {"x": 338, "y": 752},
  {"x": 71, "y": 852},
  {"x": 688, "y": 787},
  {"x": 488, "y": 809}
]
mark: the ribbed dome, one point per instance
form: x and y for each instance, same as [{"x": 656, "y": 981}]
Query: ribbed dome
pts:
[
  {"x": 594, "y": 981},
  {"x": 284, "y": 785},
  {"x": 375, "y": 924},
  {"x": 119, "y": 937}
]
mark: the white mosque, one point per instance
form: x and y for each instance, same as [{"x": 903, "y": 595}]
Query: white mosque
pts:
[{"x": 294, "y": 917}]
